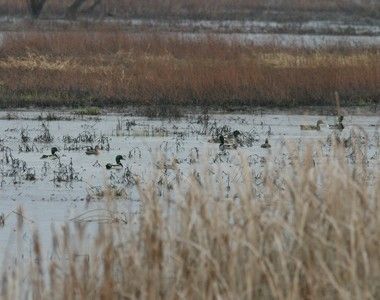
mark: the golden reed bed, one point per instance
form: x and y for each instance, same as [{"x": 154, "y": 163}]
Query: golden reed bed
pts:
[
  {"x": 114, "y": 68},
  {"x": 309, "y": 231}
]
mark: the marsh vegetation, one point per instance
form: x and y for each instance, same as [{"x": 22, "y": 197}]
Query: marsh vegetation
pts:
[
  {"x": 189, "y": 149},
  {"x": 115, "y": 68},
  {"x": 298, "y": 220}
]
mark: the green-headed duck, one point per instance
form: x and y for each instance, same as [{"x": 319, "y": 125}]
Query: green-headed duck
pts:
[
  {"x": 53, "y": 154},
  {"x": 224, "y": 146},
  {"x": 339, "y": 125},
  {"x": 118, "y": 164}
]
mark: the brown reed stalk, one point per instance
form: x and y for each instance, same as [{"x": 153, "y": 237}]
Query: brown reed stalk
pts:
[{"x": 308, "y": 231}]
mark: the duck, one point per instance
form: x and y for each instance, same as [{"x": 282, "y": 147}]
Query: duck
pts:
[
  {"x": 232, "y": 137},
  {"x": 266, "y": 145},
  {"x": 93, "y": 151},
  {"x": 118, "y": 164},
  {"x": 236, "y": 134},
  {"x": 235, "y": 137},
  {"x": 339, "y": 125},
  {"x": 53, "y": 154},
  {"x": 224, "y": 146},
  {"x": 312, "y": 127}
]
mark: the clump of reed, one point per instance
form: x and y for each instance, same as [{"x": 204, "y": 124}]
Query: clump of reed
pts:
[
  {"x": 88, "y": 111},
  {"x": 104, "y": 69},
  {"x": 308, "y": 231}
]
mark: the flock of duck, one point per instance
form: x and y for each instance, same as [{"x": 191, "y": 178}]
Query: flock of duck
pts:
[
  {"x": 229, "y": 142},
  {"x": 339, "y": 125},
  {"x": 232, "y": 141},
  {"x": 89, "y": 151}
]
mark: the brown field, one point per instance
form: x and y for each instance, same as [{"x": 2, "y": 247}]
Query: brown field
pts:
[
  {"x": 199, "y": 8},
  {"x": 103, "y": 68},
  {"x": 311, "y": 232}
]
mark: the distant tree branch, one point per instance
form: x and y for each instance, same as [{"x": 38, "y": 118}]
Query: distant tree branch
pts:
[
  {"x": 73, "y": 10},
  {"x": 93, "y": 6},
  {"x": 35, "y": 7}
]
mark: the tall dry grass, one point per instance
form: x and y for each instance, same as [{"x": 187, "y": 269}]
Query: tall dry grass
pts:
[
  {"x": 308, "y": 231},
  {"x": 103, "y": 68},
  {"x": 197, "y": 8}
]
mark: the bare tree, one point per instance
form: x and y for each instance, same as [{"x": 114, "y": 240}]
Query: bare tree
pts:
[
  {"x": 93, "y": 6},
  {"x": 73, "y": 10},
  {"x": 35, "y": 7}
]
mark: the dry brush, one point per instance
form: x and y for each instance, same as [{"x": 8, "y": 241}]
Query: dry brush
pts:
[
  {"x": 115, "y": 68},
  {"x": 309, "y": 231}
]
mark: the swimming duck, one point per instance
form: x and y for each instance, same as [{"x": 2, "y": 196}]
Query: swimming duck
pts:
[
  {"x": 232, "y": 137},
  {"x": 312, "y": 127},
  {"x": 53, "y": 154},
  {"x": 266, "y": 145},
  {"x": 339, "y": 125},
  {"x": 235, "y": 137},
  {"x": 93, "y": 151},
  {"x": 224, "y": 146},
  {"x": 236, "y": 134},
  {"x": 118, "y": 165}
]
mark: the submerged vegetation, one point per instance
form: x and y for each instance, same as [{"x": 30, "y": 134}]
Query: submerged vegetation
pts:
[
  {"x": 104, "y": 69},
  {"x": 88, "y": 111},
  {"x": 307, "y": 231}
]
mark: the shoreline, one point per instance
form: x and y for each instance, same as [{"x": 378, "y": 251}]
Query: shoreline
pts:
[
  {"x": 328, "y": 27},
  {"x": 139, "y": 110}
]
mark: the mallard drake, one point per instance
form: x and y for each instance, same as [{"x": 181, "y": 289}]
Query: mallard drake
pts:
[
  {"x": 93, "y": 151},
  {"x": 224, "y": 146},
  {"x": 266, "y": 145},
  {"x": 235, "y": 137},
  {"x": 339, "y": 125},
  {"x": 312, "y": 127},
  {"x": 53, "y": 154},
  {"x": 236, "y": 134},
  {"x": 118, "y": 165}
]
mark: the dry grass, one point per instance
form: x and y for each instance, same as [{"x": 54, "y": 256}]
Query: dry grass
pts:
[
  {"x": 103, "y": 68},
  {"x": 304, "y": 232},
  {"x": 198, "y": 8}
]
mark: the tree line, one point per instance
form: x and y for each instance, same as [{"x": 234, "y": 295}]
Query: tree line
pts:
[{"x": 36, "y": 6}]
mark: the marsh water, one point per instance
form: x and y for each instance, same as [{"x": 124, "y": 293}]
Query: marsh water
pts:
[
  {"x": 310, "y": 41},
  {"x": 77, "y": 187}
]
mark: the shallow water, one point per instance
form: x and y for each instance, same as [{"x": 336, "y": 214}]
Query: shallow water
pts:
[
  {"x": 251, "y": 26},
  {"x": 295, "y": 40},
  {"x": 47, "y": 199},
  {"x": 278, "y": 39}
]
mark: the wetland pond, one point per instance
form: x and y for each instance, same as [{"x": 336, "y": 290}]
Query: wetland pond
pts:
[{"x": 76, "y": 186}]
